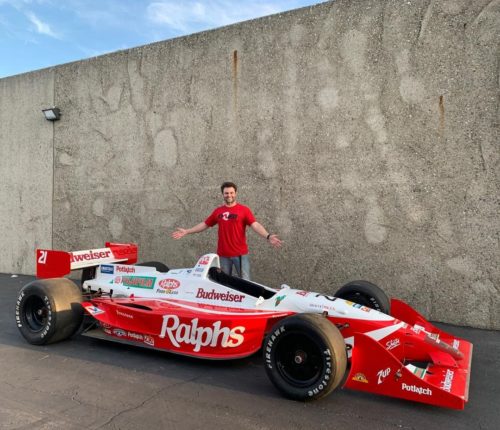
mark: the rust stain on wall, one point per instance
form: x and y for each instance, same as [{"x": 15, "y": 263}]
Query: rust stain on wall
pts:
[
  {"x": 235, "y": 79},
  {"x": 441, "y": 114}
]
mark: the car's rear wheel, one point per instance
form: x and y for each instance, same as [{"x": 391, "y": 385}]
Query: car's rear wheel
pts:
[
  {"x": 305, "y": 356},
  {"x": 48, "y": 311},
  {"x": 365, "y": 293}
]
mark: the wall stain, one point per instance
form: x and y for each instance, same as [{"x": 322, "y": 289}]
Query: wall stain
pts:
[
  {"x": 441, "y": 115},
  {"x": 235, "y": 80}
]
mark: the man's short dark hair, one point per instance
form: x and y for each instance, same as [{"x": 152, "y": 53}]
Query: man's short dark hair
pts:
[{"x": 228, "y": 185}]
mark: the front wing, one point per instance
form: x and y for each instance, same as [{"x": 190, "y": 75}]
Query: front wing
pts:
[{"x": 441, "y": 381}]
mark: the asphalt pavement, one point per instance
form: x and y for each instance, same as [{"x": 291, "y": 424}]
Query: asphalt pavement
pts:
[{"x": 85, "y": 383}]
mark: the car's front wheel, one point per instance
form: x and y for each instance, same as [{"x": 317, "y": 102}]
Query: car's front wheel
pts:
[
  {"x": 365, "y": 293},
  {"x": 305, "y": 356}
]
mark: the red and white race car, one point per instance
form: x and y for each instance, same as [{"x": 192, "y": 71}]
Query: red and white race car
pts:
[{"x": 311, "y": 342}]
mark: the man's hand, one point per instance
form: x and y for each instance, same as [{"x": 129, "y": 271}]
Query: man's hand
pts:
[
  {"x": 275, "y": 241},
  {"x": 180, "y": 232}
]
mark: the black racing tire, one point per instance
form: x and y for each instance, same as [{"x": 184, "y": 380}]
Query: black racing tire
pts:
[
  {"x": 160, "y": 267},
  {"x": 365, "y": 293},
  {"x": 49, "y": 310},
  {"x": 305, "y": 356}
]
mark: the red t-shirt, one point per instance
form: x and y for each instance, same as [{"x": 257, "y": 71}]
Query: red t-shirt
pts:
[{"x": 232, "y": 225}]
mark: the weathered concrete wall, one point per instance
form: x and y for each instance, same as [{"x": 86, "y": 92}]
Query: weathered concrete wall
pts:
[
  {"x": 26, "y": 169},
  {"x": 364, "y": 133}
]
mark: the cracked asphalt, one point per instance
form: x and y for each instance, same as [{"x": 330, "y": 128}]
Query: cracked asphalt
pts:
[{"x": 85, "y": 383}]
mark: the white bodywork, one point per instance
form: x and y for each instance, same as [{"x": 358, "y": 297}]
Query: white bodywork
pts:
[{"x": 195, "y": 285}]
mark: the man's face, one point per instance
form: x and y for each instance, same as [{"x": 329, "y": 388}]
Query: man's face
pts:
[{"x": 229, "y": 195}]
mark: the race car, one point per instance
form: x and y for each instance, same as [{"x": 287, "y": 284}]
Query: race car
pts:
[{"x": 311, "y": 342}]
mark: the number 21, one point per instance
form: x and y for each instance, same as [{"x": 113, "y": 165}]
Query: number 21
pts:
[{"x": 42, "y": 259}]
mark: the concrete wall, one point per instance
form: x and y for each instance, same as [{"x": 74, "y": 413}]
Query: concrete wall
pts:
[
  {"x": 26, "y": 169},
  {"x": 364, "y": 133}
]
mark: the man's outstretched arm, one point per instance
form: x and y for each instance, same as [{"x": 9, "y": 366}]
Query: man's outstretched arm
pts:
[
  {"x": 181, "y": 232},
  {"x": 273, "y": 239}
]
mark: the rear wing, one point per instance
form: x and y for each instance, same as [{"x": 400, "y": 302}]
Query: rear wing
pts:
[{"x": 55, "y": 264}]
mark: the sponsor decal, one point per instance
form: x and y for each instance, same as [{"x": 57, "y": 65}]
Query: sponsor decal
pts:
[
  {"x": 278, "y": 300},
  {"x": 169, "y": 284},
  {"x": 160, "y": 291},
  {"x": 360, "y": 307},
  {"x": 119, "y": 332},
  {"x": 124, "y": 251},
  {"x": 434, "y": 336},
  {"x": 137, "y": 281},
  {"x": 191, "y": 334},
  {"x": 302, "y": 293},
  {"x": 94, "y": 310},
  {"x": 421, "y": 391},
  {"x": 391, "y": 344},
  {"x": 382, "y": 374},
  {"x": 135, "y": 336},
  {"x": 330, "y": 298},
  {"x": 204, "y": 260},
  {"x": 124, "y": 314},
  {"x": 149, "y": 340},
  {"x": 448, "y": 380},
  {"x": 360, "y": 377},
  {"x": 125, "y": 269},
  {"x": 322, "y": 307},
  {"x": 215, "y": 295},
  {"x": 107, "y": 269},
  {"x": 456, "y": 343},
  {"x": 90, "y": 255},
  {"x": 199, "y": 269},
  {"x": 417, "y": 328}
]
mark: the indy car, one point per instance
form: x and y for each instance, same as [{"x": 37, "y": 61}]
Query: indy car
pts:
[{"x": 311, "y": 342}]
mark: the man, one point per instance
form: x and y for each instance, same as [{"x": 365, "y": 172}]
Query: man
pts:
[{"x": 232, "y": 219}]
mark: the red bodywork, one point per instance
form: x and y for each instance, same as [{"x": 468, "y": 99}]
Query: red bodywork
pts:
[
  {"x": 381, "y": 367},
  {"x": 184, "y": 327}
]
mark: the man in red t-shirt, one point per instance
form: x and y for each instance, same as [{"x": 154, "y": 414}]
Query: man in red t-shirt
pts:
[{"x": 232, "y": 219}]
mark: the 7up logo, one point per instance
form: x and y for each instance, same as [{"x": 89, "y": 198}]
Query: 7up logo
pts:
[{"x": 382, "y": 374}]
